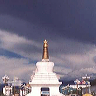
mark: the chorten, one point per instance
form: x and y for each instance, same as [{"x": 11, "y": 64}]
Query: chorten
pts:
[{"x": 44, "y": 82}]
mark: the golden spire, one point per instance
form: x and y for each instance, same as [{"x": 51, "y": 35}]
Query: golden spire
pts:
[{"x": 45, "y": 56}]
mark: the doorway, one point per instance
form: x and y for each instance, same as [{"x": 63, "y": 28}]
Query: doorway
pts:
[{"x": 45, "y": 91}]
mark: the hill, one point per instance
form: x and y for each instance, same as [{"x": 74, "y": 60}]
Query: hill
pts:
[{"x": 93, "y": 82}]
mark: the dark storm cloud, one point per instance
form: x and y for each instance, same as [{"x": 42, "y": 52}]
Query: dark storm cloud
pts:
[
  {"x": 94, "y": 59},
  {"x": 58, "y": 19},
  {"x": 27, "y": 48},
  {"x": 65, "y": 46},
  {"x": 68, "y": 25},
  {"x": 9, "y": 54},
  {"x": 68, "y": 55}
]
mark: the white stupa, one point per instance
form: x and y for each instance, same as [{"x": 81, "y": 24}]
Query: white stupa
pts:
[{"x": 44, "y": 82}]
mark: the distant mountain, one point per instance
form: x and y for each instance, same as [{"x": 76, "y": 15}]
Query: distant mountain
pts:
[
  {"x": 73, "y": 77},
  {"x": 93, "y": 76},
  {"x": 93, "y": 82},
  {"x": 1, "y": 87},
  {"x": 65, "y": 83},
  {"x": 71, "y": 82}
]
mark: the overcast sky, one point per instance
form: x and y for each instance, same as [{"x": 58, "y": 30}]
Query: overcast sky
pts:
[{"x": 68, "y": 25}]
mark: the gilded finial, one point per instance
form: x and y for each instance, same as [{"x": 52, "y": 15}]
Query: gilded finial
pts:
[{"x": 45, "y": 56}]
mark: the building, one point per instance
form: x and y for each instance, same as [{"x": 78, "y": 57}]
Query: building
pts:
[
  {"x": 7, "y": 90},
  {"x": 80, "y": 87},
  {"x": 44, "y": 81},
  {"x": 25, "y": 89}
]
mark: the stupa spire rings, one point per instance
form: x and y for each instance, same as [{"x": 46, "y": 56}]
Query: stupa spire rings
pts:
[{"x": 45, "y": 56}]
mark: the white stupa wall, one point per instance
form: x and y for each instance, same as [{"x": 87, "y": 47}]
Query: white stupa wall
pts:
[
  {"x": 54, "y": 90},
  {"x": 45, "y": 67},
  {"x": 44, "y": 74},
  {"x": 35, "y": 91},
  {"x": 44, "y": 77}
]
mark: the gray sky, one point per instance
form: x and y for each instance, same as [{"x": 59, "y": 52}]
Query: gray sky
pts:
[{"x": 68, "y": 25}]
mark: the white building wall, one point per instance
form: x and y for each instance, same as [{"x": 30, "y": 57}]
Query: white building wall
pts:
[
  {"x": 7, "y": 90},
  {"x": 54, "y": 91}
]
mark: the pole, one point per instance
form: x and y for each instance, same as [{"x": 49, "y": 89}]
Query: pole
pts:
[
  {"x": 14, "y": 90},
  {"x": 77, "y": 89}
]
